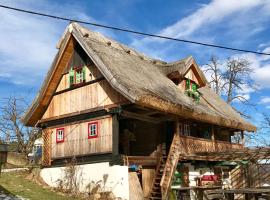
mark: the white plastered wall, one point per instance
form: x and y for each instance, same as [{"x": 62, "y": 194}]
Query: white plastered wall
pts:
[{"x": 117, "y": 181}]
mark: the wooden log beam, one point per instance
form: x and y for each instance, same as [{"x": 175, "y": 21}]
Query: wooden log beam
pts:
[
  {"x": 141, "y": 160},
  {"x": 151, "y": 113},
  {"x": 140, "y": 117}
]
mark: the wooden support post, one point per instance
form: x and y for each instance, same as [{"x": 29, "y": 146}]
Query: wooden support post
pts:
[
  {"x": 47, "y": 147},
  {"x": 213, "y": 137},
  {"x": 212, "y": 133},
  {"x": 115, "y": 135},
  {"x": 242, "y": 138}
]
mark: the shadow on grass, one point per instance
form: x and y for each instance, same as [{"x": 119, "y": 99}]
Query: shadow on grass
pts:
[{"x": 5, "y": 191}]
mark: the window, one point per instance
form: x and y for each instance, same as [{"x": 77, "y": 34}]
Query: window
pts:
[
  {"x": 192, "y": 90},
  {"x": 187, "y": 84},
  {"x": 60, "y": 133},
  {"x": 186, "y": 130},
  {"x": 92, "y": 130},
  {"x": 77, "y": 76}
]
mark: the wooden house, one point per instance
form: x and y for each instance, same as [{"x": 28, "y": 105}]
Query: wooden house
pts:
[{"x": 102, "y": 101}]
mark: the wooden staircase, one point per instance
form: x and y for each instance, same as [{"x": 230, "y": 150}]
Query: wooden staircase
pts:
[
  {"x": 166, "y": 168},
  {"x": 170, "y": 166},
  {"x": 155, "y": 189}
]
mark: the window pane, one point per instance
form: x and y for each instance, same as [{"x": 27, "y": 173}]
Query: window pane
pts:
[
  {"x": 60, "y": 135},
  {"x": 92, "y": 130},
  {"x": 79, "y": 76}
]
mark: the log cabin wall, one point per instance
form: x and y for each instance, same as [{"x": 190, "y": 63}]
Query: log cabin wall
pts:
[
  {"x": 76, "y": 141},
  {"x": 90, "y": 96}
]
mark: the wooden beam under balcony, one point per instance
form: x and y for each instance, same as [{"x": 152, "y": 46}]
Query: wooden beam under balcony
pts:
[
  {"x": 141, "y": 117},
  {"x": 140, "y": 160}
]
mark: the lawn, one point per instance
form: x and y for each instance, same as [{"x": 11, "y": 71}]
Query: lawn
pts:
[{"x": 17, "y": 184}]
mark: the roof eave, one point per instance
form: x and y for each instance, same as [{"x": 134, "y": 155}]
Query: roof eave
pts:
[
  {"x": 186, "y": 112},
  {"x": 36, "y": 106}
]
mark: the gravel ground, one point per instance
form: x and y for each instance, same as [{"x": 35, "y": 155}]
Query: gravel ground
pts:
[{"x": 7, "y": 197}]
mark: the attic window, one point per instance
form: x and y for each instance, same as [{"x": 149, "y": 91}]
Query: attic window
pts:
[
  {"x": 192, "y": 90},
  {"x": 77, "y": 76}
]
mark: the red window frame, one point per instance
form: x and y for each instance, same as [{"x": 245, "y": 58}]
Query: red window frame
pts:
[
  {"x": 56, "y": 134},
  {"x": 89, "y": 131}
]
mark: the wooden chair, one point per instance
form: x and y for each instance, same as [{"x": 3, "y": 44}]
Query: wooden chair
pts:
[{"x": 214, "y": 195}]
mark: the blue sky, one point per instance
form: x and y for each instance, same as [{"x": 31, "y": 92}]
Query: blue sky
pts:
[{"x": 28, "y": 42}]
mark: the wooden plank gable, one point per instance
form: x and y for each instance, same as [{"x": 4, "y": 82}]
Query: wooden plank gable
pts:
[{"x": 71, "y": 100}]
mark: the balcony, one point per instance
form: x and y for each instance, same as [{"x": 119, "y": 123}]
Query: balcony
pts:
[{"x": 190, "y": 145}]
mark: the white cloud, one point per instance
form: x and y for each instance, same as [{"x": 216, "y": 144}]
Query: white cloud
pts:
[
  {"x": 265, "y": 100},
  {"x": 28, "y": 43},
  {"x": 262, "y": 76},
  {"x": 207, "y": 17},
  {"x": 213, "y": 12},
  {"x": 268, "y": 107},
  {"x": 246, "y": 89}
]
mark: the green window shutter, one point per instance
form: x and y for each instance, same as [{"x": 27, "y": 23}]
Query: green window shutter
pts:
[
  {"x": 71, "y": 77},
  {"x": 194, "y": 87},
  {"x": 187, "y": 84},
  {"x": 84, "y": 73}
]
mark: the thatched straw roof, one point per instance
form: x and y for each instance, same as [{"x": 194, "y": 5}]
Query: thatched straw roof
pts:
[{"x": 143, "y": 80}]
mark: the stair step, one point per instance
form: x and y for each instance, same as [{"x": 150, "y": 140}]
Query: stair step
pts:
[
  {"x": 156, "y": 193},
  {"x": 155, "y": 198}
]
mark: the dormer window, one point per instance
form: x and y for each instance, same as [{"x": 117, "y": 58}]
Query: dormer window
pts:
[
  {"x": 77, "y": 76},
  {"x": 192, "y": 90}
]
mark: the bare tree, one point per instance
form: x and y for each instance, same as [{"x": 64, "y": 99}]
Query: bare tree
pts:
[
  {"x": 229, "y": 77},
  {"x": 213, "y": 68},
  {"x": 11, "y": 112},
  {"x": 236, "y": 75},
  {"x": 266, "y": 122}
]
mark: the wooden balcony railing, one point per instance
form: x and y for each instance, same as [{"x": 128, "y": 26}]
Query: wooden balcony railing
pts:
[{"x": 190, "y": 145}]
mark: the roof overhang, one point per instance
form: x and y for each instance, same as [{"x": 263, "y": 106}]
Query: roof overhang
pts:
[{"x": 53, "y": 77}]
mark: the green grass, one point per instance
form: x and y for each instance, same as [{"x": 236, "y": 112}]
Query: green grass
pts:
[{"x": 17, "y": 184}]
